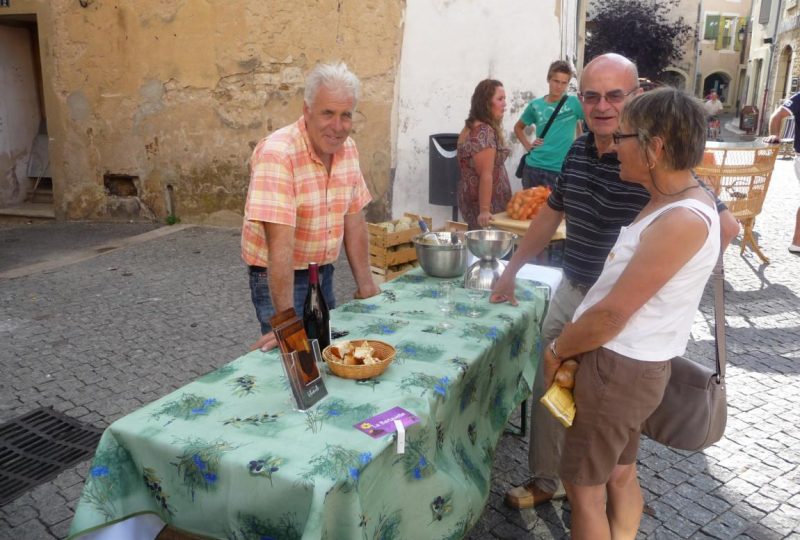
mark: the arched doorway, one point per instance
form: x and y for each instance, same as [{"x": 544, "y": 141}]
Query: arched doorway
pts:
[
  {"x": 783, "y": 83},
  {"x": 718, "y": 82},
  {"x": 673, "y": 78}
]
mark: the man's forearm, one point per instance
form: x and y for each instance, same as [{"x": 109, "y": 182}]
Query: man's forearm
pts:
[
  {"x": 776, "y": 120},
  {"x": 519, "y": 131},
  {"x": 280, "y": 242},
  {"x": 774, "y": 125},
  {"x": 281, "y": 285}
]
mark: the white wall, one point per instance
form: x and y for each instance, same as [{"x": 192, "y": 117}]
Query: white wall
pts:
[
  {"x": 448, "y": 47},
  {"x": 19, "y": 112}
]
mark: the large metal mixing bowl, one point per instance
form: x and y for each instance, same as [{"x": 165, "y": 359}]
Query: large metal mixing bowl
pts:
[
  {"x": 490, "y": 244},
  {"x": 483, "y": 274},
  {"x": 446, "y": 259}
]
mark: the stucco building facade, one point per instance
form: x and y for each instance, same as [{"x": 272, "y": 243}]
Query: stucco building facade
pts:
[
  {"x": 772, "y": 69},
  {"x": 153, "y": 108},
  {"x": 152, "y": 98}
]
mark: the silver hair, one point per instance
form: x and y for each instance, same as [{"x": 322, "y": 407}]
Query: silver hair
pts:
[{"x": 336, "y": 78}]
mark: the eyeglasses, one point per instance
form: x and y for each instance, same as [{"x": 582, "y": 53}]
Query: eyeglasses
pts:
[
  {"x": 615, "y": 96},
  {"x": 617, "y": 137}
]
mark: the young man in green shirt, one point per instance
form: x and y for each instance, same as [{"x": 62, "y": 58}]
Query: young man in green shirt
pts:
[{"x": 543, "y": 163}]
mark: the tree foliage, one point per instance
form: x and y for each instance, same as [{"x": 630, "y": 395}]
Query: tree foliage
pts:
[{"x": 644, "y": 31}]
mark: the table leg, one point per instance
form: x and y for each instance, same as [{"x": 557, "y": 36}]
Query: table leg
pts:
[{"x": 521, "y": 429}]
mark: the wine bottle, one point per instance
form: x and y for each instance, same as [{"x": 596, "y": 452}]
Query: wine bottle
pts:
[
  {"x": 427, "y": 234},
  {"x": 316, "y": 318}
]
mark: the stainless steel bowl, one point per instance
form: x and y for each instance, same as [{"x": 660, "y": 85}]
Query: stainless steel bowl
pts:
[
  {"x": 446, "y": 259},
  {"x": 482, "y": 275},
  {"x": 490, "y": 243}
]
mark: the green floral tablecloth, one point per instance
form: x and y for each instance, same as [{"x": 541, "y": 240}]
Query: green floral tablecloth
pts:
[{"x": 227, "y": 457}]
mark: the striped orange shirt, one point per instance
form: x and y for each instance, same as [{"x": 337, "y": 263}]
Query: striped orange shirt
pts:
[{"x": 290, "y": 185}]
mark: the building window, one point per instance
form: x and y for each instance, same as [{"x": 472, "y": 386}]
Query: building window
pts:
[
  {"x": 728, "y": 24},
  {"x": 764, "y": 13},
  {"x": 712, "y": 27},
  {"x": 722, "y": 30}
]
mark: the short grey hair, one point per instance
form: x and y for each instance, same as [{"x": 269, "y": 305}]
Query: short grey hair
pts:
[
  {"x": 336, "y": 78},
  {"x": 676, "y": 117}
]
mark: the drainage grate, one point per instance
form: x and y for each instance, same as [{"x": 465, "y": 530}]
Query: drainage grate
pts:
[{"x": 37, "y": 446}]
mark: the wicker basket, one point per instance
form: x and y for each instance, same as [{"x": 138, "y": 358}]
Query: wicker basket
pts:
[{"x": 381, "y": 350}]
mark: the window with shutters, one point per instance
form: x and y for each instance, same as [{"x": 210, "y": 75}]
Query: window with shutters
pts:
[
  {"x": 763, "y": 15},
  {"x": 722, "y": 30},
  {"x": 727, "y": 26},
  {"x": 712, "y": 27}
]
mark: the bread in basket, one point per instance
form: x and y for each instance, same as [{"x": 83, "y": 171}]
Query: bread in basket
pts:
[{"x": 359, "y": 358}]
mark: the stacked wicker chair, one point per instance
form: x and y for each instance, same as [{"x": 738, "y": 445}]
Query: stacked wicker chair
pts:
[{"x": 740, "y": 177}]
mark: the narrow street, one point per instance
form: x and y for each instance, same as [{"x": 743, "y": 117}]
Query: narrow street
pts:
[{"x": 99, "y": 337}]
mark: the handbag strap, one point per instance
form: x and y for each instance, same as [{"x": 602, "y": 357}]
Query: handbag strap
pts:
[
  {"x": 718, "y": 275},
  {"x": 553, "y": 116}
]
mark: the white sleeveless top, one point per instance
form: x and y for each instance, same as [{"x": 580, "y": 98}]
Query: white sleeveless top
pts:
[{"x": 659, "y": 330}]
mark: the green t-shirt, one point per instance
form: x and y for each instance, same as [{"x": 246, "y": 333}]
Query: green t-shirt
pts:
[{"x": 550, "y": 155}]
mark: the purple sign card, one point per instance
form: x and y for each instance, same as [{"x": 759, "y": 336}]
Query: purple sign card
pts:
[{"x": 383, "y": 423}]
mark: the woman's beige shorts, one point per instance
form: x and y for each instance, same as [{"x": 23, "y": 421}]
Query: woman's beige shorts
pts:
[{"x": 614, "y": 395}]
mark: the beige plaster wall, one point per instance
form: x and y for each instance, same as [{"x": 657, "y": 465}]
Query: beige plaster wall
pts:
[
  {"x": 178, "y": 92},
  {"x": 19, "y": 107}
]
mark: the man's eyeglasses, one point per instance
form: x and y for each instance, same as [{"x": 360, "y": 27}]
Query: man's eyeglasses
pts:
[
  {"x": 614, "y": 97},
  {"x": 617, "y": 137}
]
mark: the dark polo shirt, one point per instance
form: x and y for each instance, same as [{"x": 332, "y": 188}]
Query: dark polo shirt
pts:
[{"x": 596, "y": 204}]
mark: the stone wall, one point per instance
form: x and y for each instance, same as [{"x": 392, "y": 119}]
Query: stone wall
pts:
[
  {"x": 18, "y": 108},
  {"x": 158, "y": 93}
]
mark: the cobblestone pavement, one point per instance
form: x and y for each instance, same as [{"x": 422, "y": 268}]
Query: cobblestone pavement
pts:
[{"x": 102, "y": 337}]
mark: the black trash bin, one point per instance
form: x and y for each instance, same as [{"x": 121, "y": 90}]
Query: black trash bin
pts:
[{"x": 443, "y": 173}]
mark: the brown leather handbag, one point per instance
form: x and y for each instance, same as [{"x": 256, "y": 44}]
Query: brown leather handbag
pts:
[{"x": 693, "y": 413}]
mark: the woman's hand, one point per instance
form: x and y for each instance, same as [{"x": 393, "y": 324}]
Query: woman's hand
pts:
[
  {"x": 484, "y": 218},
  {"x": 551, "y": 365},
  {"x": 537, "y": 142}
]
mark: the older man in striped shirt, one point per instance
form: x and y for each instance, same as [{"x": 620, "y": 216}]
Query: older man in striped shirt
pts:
[
  {"x": 596, "y": 204},
  {"x": 305, "y": 199}
]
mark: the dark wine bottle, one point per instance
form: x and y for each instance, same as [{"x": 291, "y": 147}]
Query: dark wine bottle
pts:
[{"x": 316, "y": 318}]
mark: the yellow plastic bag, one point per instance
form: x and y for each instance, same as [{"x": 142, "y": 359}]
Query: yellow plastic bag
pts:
[{"x": 560, "y": 403}]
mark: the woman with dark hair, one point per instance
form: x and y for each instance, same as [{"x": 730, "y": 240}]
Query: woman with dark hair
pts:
[
  {"x": 638, "y": 314},
  {"x": 483, "y": 189}
]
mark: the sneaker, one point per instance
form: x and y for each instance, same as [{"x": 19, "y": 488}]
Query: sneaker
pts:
[
  {"x": 794, "y": 248},
  {"x": 526, "y": 496}
]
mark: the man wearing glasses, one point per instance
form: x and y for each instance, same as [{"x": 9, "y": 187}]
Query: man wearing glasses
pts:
[{"x": 596, "y": 204}]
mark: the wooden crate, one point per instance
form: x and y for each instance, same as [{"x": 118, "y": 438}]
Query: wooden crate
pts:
[
  {"x": 387, "y": 250},
  {"x": 454, "y": 226}
]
